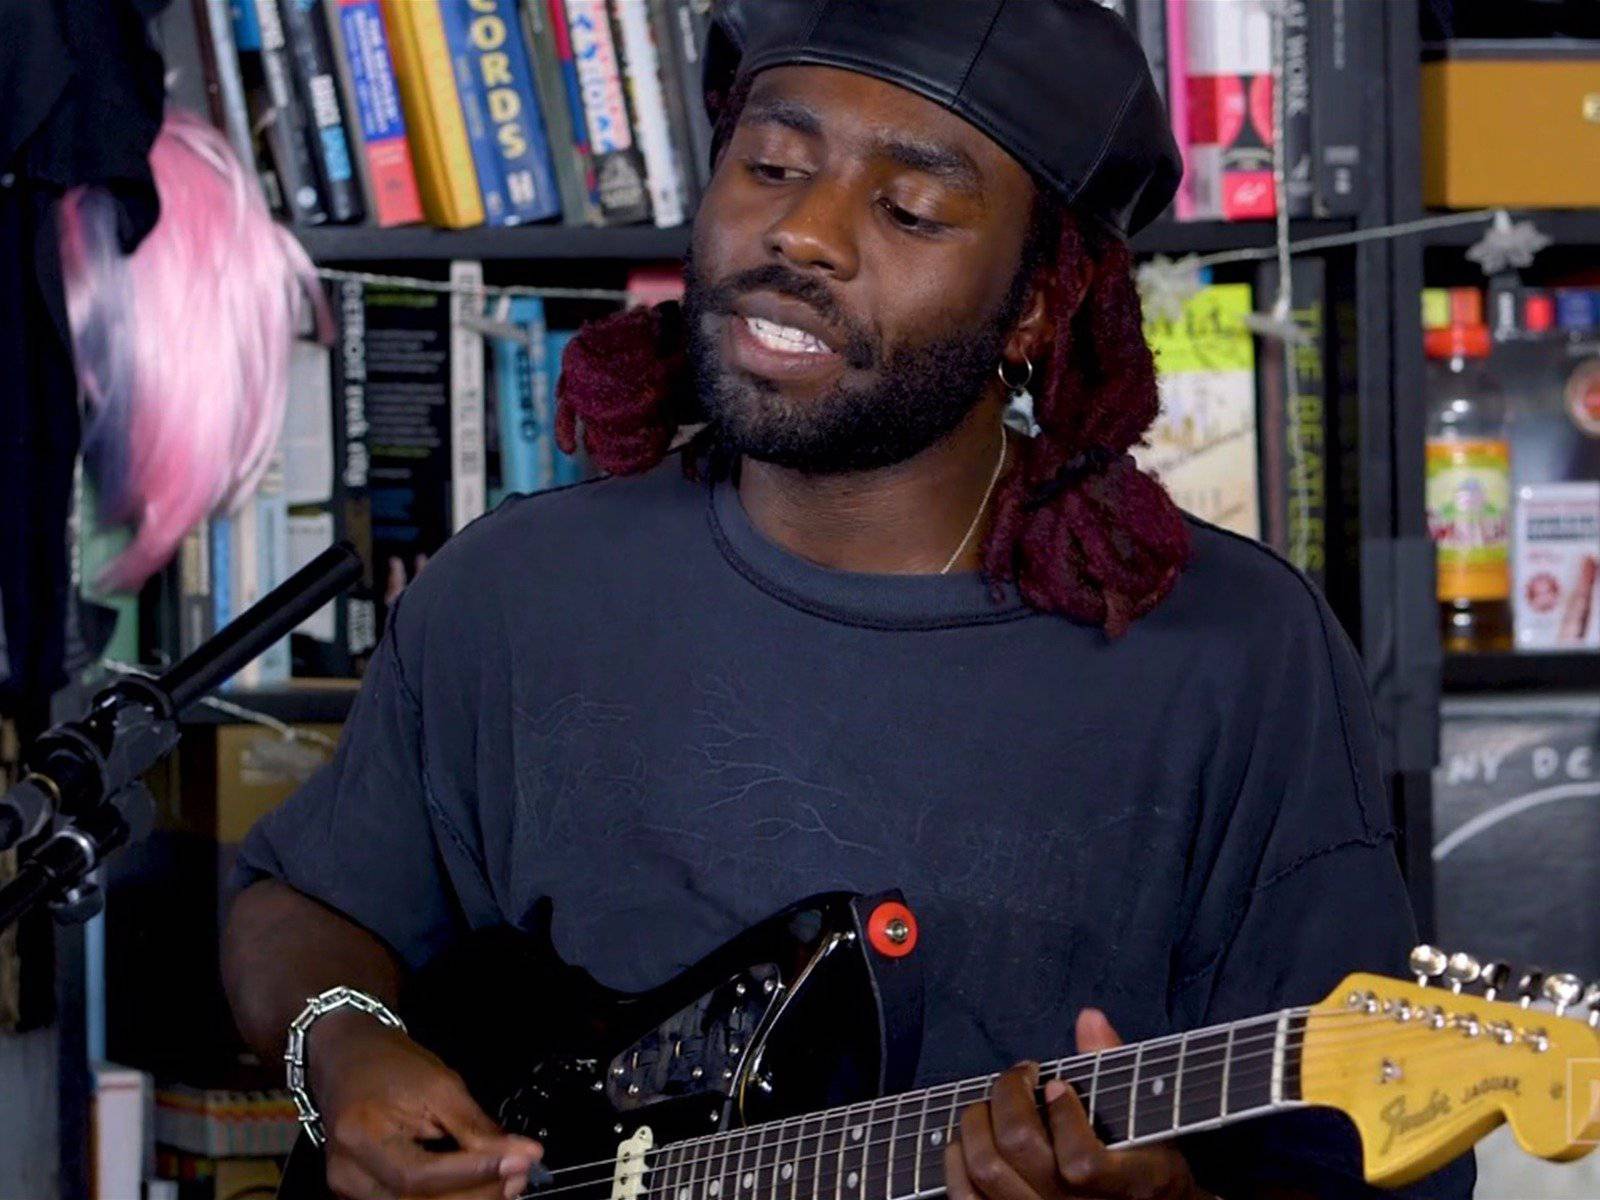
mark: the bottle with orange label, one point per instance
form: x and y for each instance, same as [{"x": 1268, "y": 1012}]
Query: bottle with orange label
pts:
[{"x": 1469, "y": 487}]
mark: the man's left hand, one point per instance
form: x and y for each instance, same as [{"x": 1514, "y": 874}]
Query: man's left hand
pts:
[{"x": 1006, "y": 1152}]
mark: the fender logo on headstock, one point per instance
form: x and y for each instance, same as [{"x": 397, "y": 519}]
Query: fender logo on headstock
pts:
[
  {"x": 1401, "y": 1122},
  {"x": 1493, "y": 1083}
]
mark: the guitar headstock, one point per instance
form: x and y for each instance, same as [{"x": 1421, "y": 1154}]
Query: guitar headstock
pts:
[{"x": 1427, "y": 1067}]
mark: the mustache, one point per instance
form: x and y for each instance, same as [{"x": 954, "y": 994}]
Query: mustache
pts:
[{"x": 860, "y": 349}]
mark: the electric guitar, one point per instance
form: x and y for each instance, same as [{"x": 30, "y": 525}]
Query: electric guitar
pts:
[{"x": 775, "y": 1068}]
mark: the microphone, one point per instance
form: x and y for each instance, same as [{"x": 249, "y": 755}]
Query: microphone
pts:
[{"x": 75, "y": 767}]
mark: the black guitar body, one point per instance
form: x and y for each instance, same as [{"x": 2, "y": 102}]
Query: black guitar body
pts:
[{"x": 818, "y": 1005}]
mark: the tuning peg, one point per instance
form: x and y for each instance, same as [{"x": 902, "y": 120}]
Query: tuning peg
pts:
[
  {"x": 1494, "y": 977},
  {"x": 1528, "y": 985},
  {"x": 1462, "y": 969},
  {"x": 1427, "y": 963},
  {"x": 1563, "y": 991}
]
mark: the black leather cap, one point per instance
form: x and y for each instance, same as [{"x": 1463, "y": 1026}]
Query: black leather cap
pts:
[{"x": 1061, "y": 84}]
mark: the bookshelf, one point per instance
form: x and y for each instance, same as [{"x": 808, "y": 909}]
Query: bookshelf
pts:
[
  {"x": 1516, "y": 672},
  {"x": 1569, "y": 227}
]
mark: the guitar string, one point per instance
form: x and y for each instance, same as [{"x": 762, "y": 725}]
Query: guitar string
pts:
[
  {"x": 740, "y": 1142},
  {"x": 724, "y": 1141},
  {"x": 827, "y": 1174},
  {"x": 1111, "y": 1060}
]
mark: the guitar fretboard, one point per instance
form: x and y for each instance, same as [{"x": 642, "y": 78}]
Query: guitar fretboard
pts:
[{"x": 893, "y": 1148}]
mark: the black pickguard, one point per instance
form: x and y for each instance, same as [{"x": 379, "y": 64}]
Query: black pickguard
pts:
[{"x": 797, "y": 1013}]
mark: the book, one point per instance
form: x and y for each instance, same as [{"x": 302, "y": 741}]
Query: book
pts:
[
  {"x": 197, "y": 618},
  {"x": 641, "y": 67},
  {"x": 446, "y": 176},
  {"x": 1177, "y": 12},
  {"x": 619, "y": 167},
  {"x": 123, "y": 1129},
  {"x": 408, "y": 410},
  {"x": 1336, "y": 106},
  {"x": 275, "y": 106},
  {"x": 1299, "y": 183},
  {"x": 378, "y": 124},
  {"x": 290, "y": 132},
  {"x": 568, "y": 156},
  {"x": 670, "y": 58},
  {"x": 272, "y": 563},
  {"x": 516, "y": 121},
  {"x": 572, "y": 87},
  {"x": 244, "y": 571},
  {"x": 1202, "y": 446},
  {"x": 311, "y": 55},
  {"x": 524, "y": 400},
  {"x": 225, "y": 85},
  {"x": 468, "y": 477},
  {"x": 1555, "y": 566},
  {"x": 1293, "y": 422},
  {"x": 690, "y": 21},
  {"x": 1230, "y": 108},
  {"x": 474, "y": 101},
  {"x": 1149, "y": 23}
]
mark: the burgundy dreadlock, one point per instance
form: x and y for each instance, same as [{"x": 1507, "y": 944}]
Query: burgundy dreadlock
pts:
[{"x": 1078, "y": 527}]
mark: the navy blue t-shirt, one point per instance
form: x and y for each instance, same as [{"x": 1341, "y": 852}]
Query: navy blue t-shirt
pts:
[{"x": 624, "y": 697}]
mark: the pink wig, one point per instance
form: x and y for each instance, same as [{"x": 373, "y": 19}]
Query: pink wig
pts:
[{"x": 182, "y": 348}]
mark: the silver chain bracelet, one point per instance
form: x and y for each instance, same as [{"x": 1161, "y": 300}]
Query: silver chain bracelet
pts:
[{"x": 294, "y": 1055}]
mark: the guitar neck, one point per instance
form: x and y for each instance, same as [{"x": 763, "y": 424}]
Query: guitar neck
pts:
[{"x": 893, "y": 1148}]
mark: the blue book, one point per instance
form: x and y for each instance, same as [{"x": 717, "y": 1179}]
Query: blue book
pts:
[
  {"x": 221, "y": 574},
  {"x": 569, "y": 468},
  {"x": 515, "y": 118},
  {"x": 246, "y": 27},
  {"x": 464, "y": 60},
  {"x": 527, "y": 444}
]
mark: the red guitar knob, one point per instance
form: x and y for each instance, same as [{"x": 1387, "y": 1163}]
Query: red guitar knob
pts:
[{"x": 892, "y": 930}]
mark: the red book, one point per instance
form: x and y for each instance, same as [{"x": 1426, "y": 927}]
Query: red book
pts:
[
  {"x": 379, "y": 119},
  {"x": 1230, "y": 101}
]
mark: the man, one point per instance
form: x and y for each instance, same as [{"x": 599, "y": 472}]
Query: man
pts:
[{"x": 1112, "y": 756}]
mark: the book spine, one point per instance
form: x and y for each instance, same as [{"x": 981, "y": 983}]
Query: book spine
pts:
[
  {"x": 691, "y": 21},
  {"x": 1336, "y": 108},
  {"x": 356, "y": 628},
  {"x": 222, "y": 573},
  {"x": 380, "y": 118},
  {"x": 572, "y": 172},
  {"x": 515, "y": 118},
  {"x": 446, "y": 177},
  {"x": 196, "y": 618},
  {"x": 1299, "y": 182},
  {"x": 1294, "y": 422},
  {"x": 222, "y": 67},
  {"x": 245, "y": 564},
  {"x": 272, "y": 564},
  {"x": 619, "y": 167},
  {"x": 1231, "y": 108},
  {"x": 473, "y": 99},
  {"x": 407, "y": 337},
  {"x": 671, "y": 61},
  {"x": 642, "y": 68},
  {"x": 351, "y": 108},
  {"x": 291, "y": 134},
  {"x": 246, "y": 25},
  {"x": 1150, "y": 26},
  {"x": 573, "y": 88},
  {"x": 524, "y": 427},
  {"x": 1184, "y": 206},
  {"x": 312, "y": 56},
  {"x": 469, "y": 481}
]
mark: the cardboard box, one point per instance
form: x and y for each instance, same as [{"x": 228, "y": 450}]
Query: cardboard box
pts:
[{"x": 1512, "y": 123}]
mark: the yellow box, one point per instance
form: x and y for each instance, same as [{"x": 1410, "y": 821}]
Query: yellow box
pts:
[{"x": 1512, "y": 124}]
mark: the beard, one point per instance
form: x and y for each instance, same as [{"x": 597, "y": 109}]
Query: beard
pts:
[{"x": 910, "y": 397}]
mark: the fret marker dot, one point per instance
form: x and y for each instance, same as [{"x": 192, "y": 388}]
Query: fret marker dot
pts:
[
  {"x": 855, "y": 1134},
  {"x": 714, "y": 1187},
  {"x": 683, "y": 1193},
  {"x": 1157, "y": 1086},
  {"x": 852, "y": 1179},
  {"x": 935, "y": 1138},
  {"x": 787, "y": 1172},
  {"x": 748, "y": 1179}
]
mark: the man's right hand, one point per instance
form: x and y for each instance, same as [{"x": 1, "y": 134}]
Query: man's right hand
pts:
[{"x": 381, "y": 1097}]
